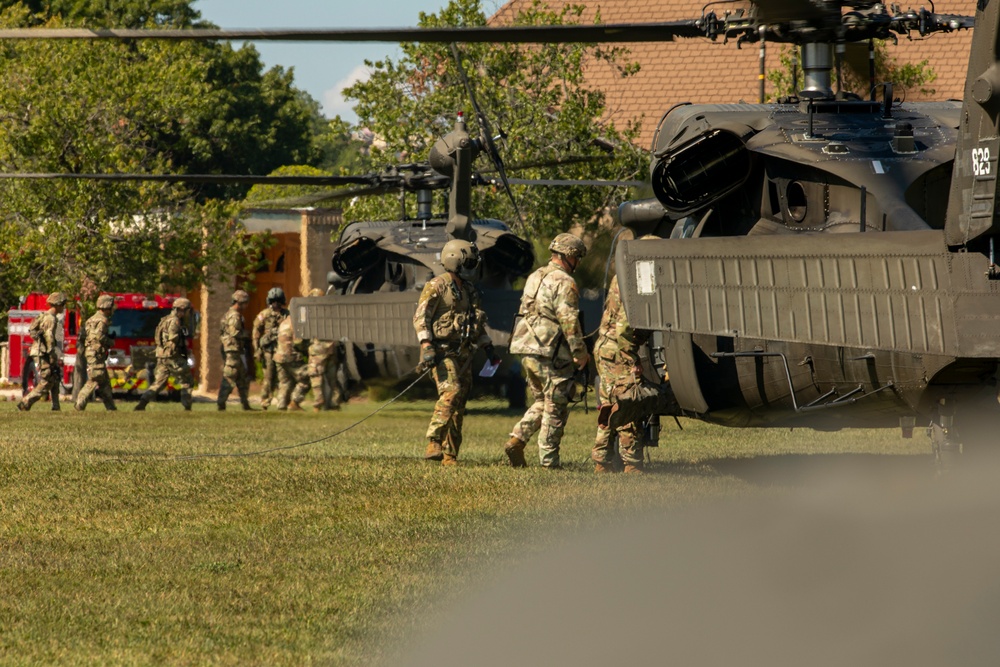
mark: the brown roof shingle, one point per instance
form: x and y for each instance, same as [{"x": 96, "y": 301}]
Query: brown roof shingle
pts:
[{"x": 702, "y": 71}]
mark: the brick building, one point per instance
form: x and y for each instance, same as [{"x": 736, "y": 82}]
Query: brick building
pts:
[{"x": 297, "y": 262}]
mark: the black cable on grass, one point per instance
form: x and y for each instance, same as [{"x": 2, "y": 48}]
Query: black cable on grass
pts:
[{"x": 311, "y": 442}]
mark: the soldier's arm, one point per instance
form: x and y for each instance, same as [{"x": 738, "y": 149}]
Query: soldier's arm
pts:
[
  {"x": 568, "y": 315},
  {"x": 105, "y": 338},
  {"x": 426, "y": 307},
  {"x": 173, "y": 338},
  {"x": 258, "y": 329},
  {"x": 482, "y": 338},
  {"x": 51, "y": 342}
]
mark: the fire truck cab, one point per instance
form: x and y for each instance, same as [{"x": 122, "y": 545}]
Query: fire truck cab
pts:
[{"x": 132, "y": 355}]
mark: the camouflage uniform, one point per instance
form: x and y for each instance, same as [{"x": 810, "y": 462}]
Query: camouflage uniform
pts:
[
  {"x": 549, "y": 335},
  {"x": 450, "y": 316},
  {"x": 96, "y": 348},
  {"x": 293, "y": 376},
  {"x": 324, "y": 359},
  {"x": 265, "y": 340},
  {"x": 617, "y": 357},
  {"x": 46, "y": 353},
  {"x": 233, "y": 336},
  {"x": 171, "y": 360}
]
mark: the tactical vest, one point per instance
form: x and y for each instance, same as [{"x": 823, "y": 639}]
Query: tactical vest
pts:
[{"x": 457, "y": 321}]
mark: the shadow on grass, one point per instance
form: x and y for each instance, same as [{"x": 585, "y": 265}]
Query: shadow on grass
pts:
[{"x": 799, "y": 469}]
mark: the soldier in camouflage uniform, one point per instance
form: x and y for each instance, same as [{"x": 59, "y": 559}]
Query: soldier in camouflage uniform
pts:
[
  {"x": 171, "y": 356},
  {"x": 45, "y": 351},
  {"x": 265, "y": 340},
  {"x": 96, "y": 347},
  {"x": 450, "y": 325},
  {"x": 293, "y": 376},
  {"x": 234, "y": 339},
  {"x": 617, "y": 357},
  {"x": 548, "y": 333},
  {"x": 324, "y": 360}
]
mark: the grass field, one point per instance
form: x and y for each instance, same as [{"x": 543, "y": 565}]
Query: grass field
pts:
[{"x": 115, "y": 551}]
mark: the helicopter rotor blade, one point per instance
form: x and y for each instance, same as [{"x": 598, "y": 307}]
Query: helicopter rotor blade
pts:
[
  {"x": 619, "y": 32},
  {"x": 196, "y": 178},
  {"x": 304, "y": 201},
  {"x": 487, "y": 136},
  {"x": 571, "y": 182}
]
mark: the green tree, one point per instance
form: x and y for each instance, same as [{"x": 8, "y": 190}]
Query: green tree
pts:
[
  {"x": 535, "y": 93},
  {"x": 80, "y": 107},
  {"x": 786, "y": 79}
]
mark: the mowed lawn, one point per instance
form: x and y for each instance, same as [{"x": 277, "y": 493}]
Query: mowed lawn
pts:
[{"x": 115, "y": 550}]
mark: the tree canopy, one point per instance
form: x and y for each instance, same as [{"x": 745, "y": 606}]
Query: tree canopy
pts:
[
  {"x": 142, "y": 106},
  {"x": 535, "y": 95}
]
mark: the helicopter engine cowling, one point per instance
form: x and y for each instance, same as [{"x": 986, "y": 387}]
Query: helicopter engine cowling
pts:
[
  {"x": 355, "y": 257},
  {"x": 700, "y": 171}
]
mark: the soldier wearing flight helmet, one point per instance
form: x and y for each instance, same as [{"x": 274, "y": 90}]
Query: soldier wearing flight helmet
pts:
[
  {"x": 265, "y": 341},
  {"x": 450, "y": 325},
  {"x": 45, "y": 351},
  {"x": 95, "y": 348},
  {"x": 171, "y": 355},
  {"x": 548, "y": 334}
]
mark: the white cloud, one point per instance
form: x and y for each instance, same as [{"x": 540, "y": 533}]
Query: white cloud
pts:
[{"x": 334, "y": 103}]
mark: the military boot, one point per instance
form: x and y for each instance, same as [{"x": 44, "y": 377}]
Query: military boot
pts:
[
  {"x": 633, "y": 468},
  {"x": 515, "y": 452},
  {"x": 601, "y": 467},
  {"x": 449, "y": 460},
  {"x": 186, "y": 400},
  {"x": 294, "y": 407},
  {"x": 246, "y": 404},
  {"x": 144, "y": 400},
  {"x": 434, "y": 451}
]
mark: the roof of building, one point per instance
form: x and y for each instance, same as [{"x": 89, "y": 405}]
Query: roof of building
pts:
[{"x": 702, "y": 71}]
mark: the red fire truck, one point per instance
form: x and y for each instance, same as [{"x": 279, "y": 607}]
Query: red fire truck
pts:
[{"x": 132, "y": 355}]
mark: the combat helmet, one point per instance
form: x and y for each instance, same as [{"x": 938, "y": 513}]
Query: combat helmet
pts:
[
  {"x": 105, "y": 302},
  {"x": 275, "y": 295},
  {"x": 56, "y": 299},
  {"x": 568, "y": 245},
  {"x": 460, "y": 257},
  {"x": 181, "y": 303},
  {"x": 240, "y": 296}
]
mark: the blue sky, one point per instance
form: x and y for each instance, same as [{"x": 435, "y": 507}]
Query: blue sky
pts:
[{"x": 322, "y": 70}]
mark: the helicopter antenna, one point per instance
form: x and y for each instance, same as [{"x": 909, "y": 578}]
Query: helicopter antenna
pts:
[{"x": 487, "y": 137}]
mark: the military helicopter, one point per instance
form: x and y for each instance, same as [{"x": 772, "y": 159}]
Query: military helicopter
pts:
[
  {"x": 879, "y": 300},
  {"x": 828, "y": 261}
]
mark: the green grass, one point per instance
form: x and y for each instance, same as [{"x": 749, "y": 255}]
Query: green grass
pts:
[{"x": 114, "y": 551}]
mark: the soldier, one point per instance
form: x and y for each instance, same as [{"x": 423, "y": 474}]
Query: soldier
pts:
[
  {"x": 617, "y": 357},
  {"x": 293, "y": 376},
  {"x": 548, "y": 333},
  {"x": 265, "y": 340},
  {"x": 324, "y": 360},
  {"x": 96, "y": 347},
  {"x": 234, "y": 339},
  {"x": 171, "y": 355},
  {"x": 450, "y": 325},
  {"x": 45, "y": 351}
]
